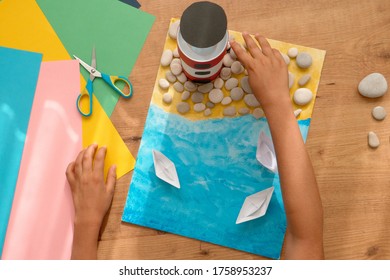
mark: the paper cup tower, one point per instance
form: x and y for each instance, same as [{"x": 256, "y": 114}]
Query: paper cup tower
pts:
[{"x": 202, "y": 41}]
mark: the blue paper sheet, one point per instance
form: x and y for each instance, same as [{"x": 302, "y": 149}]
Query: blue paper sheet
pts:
[{"x": 18, "y": 77}]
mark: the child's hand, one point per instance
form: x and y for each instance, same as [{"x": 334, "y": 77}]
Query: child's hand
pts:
[
  {"x": 91, "y": 195},
  {"x": 267, "y": 71}
]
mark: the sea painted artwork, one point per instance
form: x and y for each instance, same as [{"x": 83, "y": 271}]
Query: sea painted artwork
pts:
[{"x": 216, "y": 165}]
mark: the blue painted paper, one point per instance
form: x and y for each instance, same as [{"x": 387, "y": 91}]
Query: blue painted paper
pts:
[
  {"x": 18, "y": 78},
  {"x": 133, "y": 3},
  {"x": 217, "y": 167}
]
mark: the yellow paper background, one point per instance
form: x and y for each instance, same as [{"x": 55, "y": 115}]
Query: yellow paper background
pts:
[
  {"x": 217, "y": 112},
  {"x": 24, "y": 26}
]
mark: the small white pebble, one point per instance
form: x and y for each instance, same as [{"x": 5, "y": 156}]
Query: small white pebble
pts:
[
  {"x": 251, "y": 100},
  {"x": 183, "y": 107},
  {"x": 258, "y": 113},
  {"x": 197, "y": 97},
  {"x": 243, "y": 111},
  {"x": 237, "y": 93},
  {"x": 226, "y": 73},
  {"x": 236, "y": 67},
  {"x": 176, "y": 60},
  {"x": 185, "y": 95},
  {"x": 176, "y": 53},
  {"x": 167, "y": 98},
  {"x": 166, "y": 58},
  {"x": 292, "y": 52},
  {"x": 291, "y": 78},
  {"x": 190, "y": 86},
  {"x": 178, "y": 87},
  {"x": 199, "y": 107},
  {"x": 304, "y": 60},
  {"x": 176, "y": 68},
  {"x": 302, "y": 96},
  {"x": 182, "y": 78},
  {"x": 304, "y": 80},
  {"x": 207, "y": 112},
  {"x": 286, "y": 58},
  {"x": 226, "y": 100},
  {"x": 218, "y": 83},
  {"x": 373, "y": 140},
  {"x": 297, "y": 112},
  {"x": 170, "y": 77},
  {"x": 229, "y": 111},
  {"x": 227, "y": 60},
  {"x": 244, "y": 82},
  {"x": 216, "y": 95},
  {"x": 205, "y": 88},
  {"x": 173, "y": 29},
  {"x": 231, "y": 83},
  {"x": 232, "y": 54},
  {"x": 210, "y": 104},
  {"x": 163, "y": 83},
  {"x": 379, "y": 113}
]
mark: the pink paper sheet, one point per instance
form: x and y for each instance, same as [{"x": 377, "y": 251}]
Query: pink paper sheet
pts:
[{"x": 41, "y": 221}]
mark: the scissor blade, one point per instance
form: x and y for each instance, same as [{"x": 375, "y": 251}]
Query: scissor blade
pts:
[
  {"x": 93, "y": 62},
  {"x": 94, "y": 73}
]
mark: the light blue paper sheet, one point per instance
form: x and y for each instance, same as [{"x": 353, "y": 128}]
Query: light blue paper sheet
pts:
[{"x": 18, "y": 77}]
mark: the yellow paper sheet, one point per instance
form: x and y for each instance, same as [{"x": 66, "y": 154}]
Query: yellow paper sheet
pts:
[{"x": 24, "y": 26}]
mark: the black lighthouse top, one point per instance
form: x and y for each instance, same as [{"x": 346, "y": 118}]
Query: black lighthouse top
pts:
[{"x": 203, "y": 24}]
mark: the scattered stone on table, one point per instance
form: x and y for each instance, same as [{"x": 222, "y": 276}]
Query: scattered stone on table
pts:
[
  {"x": 251, "y": 101},
  {"x": 379, "y": 113},
  {"x": 166, "y": 57},
  {"x": 258, "y": 113},
  {"x": 178, "y": 87},
  {"x": 173, "y": 29},
  {"x": 292, "y": 52},
  {"x": 226, "y": 73},
  {"x": 218, "y": 83},
  {"x": 163, "y": 83},
  {"x": 227, "y": 60},
  {"x": 237, "y": 67},
  {"x": 243, "y": 111},
  {"x": 229, "y": 111},
  {"x": 286, "y": 58},
  {"x": 183, "y": 107},
  {"x": 167, "y": 98},
  {"x": 291, "y": 78},
  {"x": 199, "y": 107},
  {"x": 176, "y": 52},
  {"x": 190, "y": 86},
  {"x": 302, "y": 96},
  {"x": 176, "y": 68},
  {"x": 232, "y": 54},
  {"x": 226, "y": 100},
  {"x": 236, "y": 93},
  {"x": 205, "y": 88},
  {"x": 245, "y": 84},
  {"x": 304, "y": 60},
  {"x": 297, "y": 112},
  {"x": 185, "y": 95},
  {"x": 182, "y": 78},
  {"x": 231, "y": 83},
  {"x": 216, "y": 95},
  {"x": 170, "y": 77},
  {"x": 373, "y": 140},
  {"x": 304, "y": 80},
  {"x": 373, "y": 85},
  {"x": 197, "y": 97},
  {"x": 176, "y": 60},
  {"x": 207, "y": 112},
  {"x": 210, "y": 104}
]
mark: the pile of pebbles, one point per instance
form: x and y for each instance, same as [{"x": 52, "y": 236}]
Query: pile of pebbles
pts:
[
  {"x": 232, "y": 79},
  {"x": 374, "y": 85}
]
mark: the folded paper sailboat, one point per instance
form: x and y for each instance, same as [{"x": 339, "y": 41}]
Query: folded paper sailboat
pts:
[
  {"x": 265, "y": 153},
  {"x": 165, "y": 169},
  {"x": 255, "y": 205}
]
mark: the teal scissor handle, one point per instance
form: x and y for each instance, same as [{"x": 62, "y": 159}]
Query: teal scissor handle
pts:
[
  {"x": 87, "y": 92},
  {"x": 111, "y": 80}
]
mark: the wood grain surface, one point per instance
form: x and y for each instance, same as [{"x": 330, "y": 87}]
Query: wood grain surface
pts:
[{"x": 354, "y": 180}]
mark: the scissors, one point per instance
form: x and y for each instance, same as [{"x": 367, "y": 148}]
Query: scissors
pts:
[{"x": 94, "y": 73}]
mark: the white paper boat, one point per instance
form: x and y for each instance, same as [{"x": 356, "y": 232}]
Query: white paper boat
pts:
[
  {"x": 255, "y": 205},
  {"x": 165, "y": 169},
  {"x": 265, "y": 153}
]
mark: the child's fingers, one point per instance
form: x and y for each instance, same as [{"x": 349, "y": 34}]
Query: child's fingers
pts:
[
  {"x": 242, "y": 55},
  {"x": 278, "y": 55},
  {"x": 78, "y": 164},
  {"x": 99, "y": 161},
  {"x": 88, "y": 158},
  {"x": 265, "y": 46},
  {"x": 253, "y": 48},
  {"x": 111, "y": 179},
  {"x": 70, "y": 175}
]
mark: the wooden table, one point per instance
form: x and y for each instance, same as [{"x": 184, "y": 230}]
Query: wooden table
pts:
[{"x": 354, "y": 180}]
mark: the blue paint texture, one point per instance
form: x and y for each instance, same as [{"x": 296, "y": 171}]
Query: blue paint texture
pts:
[{"x": 217, "y": 167}]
